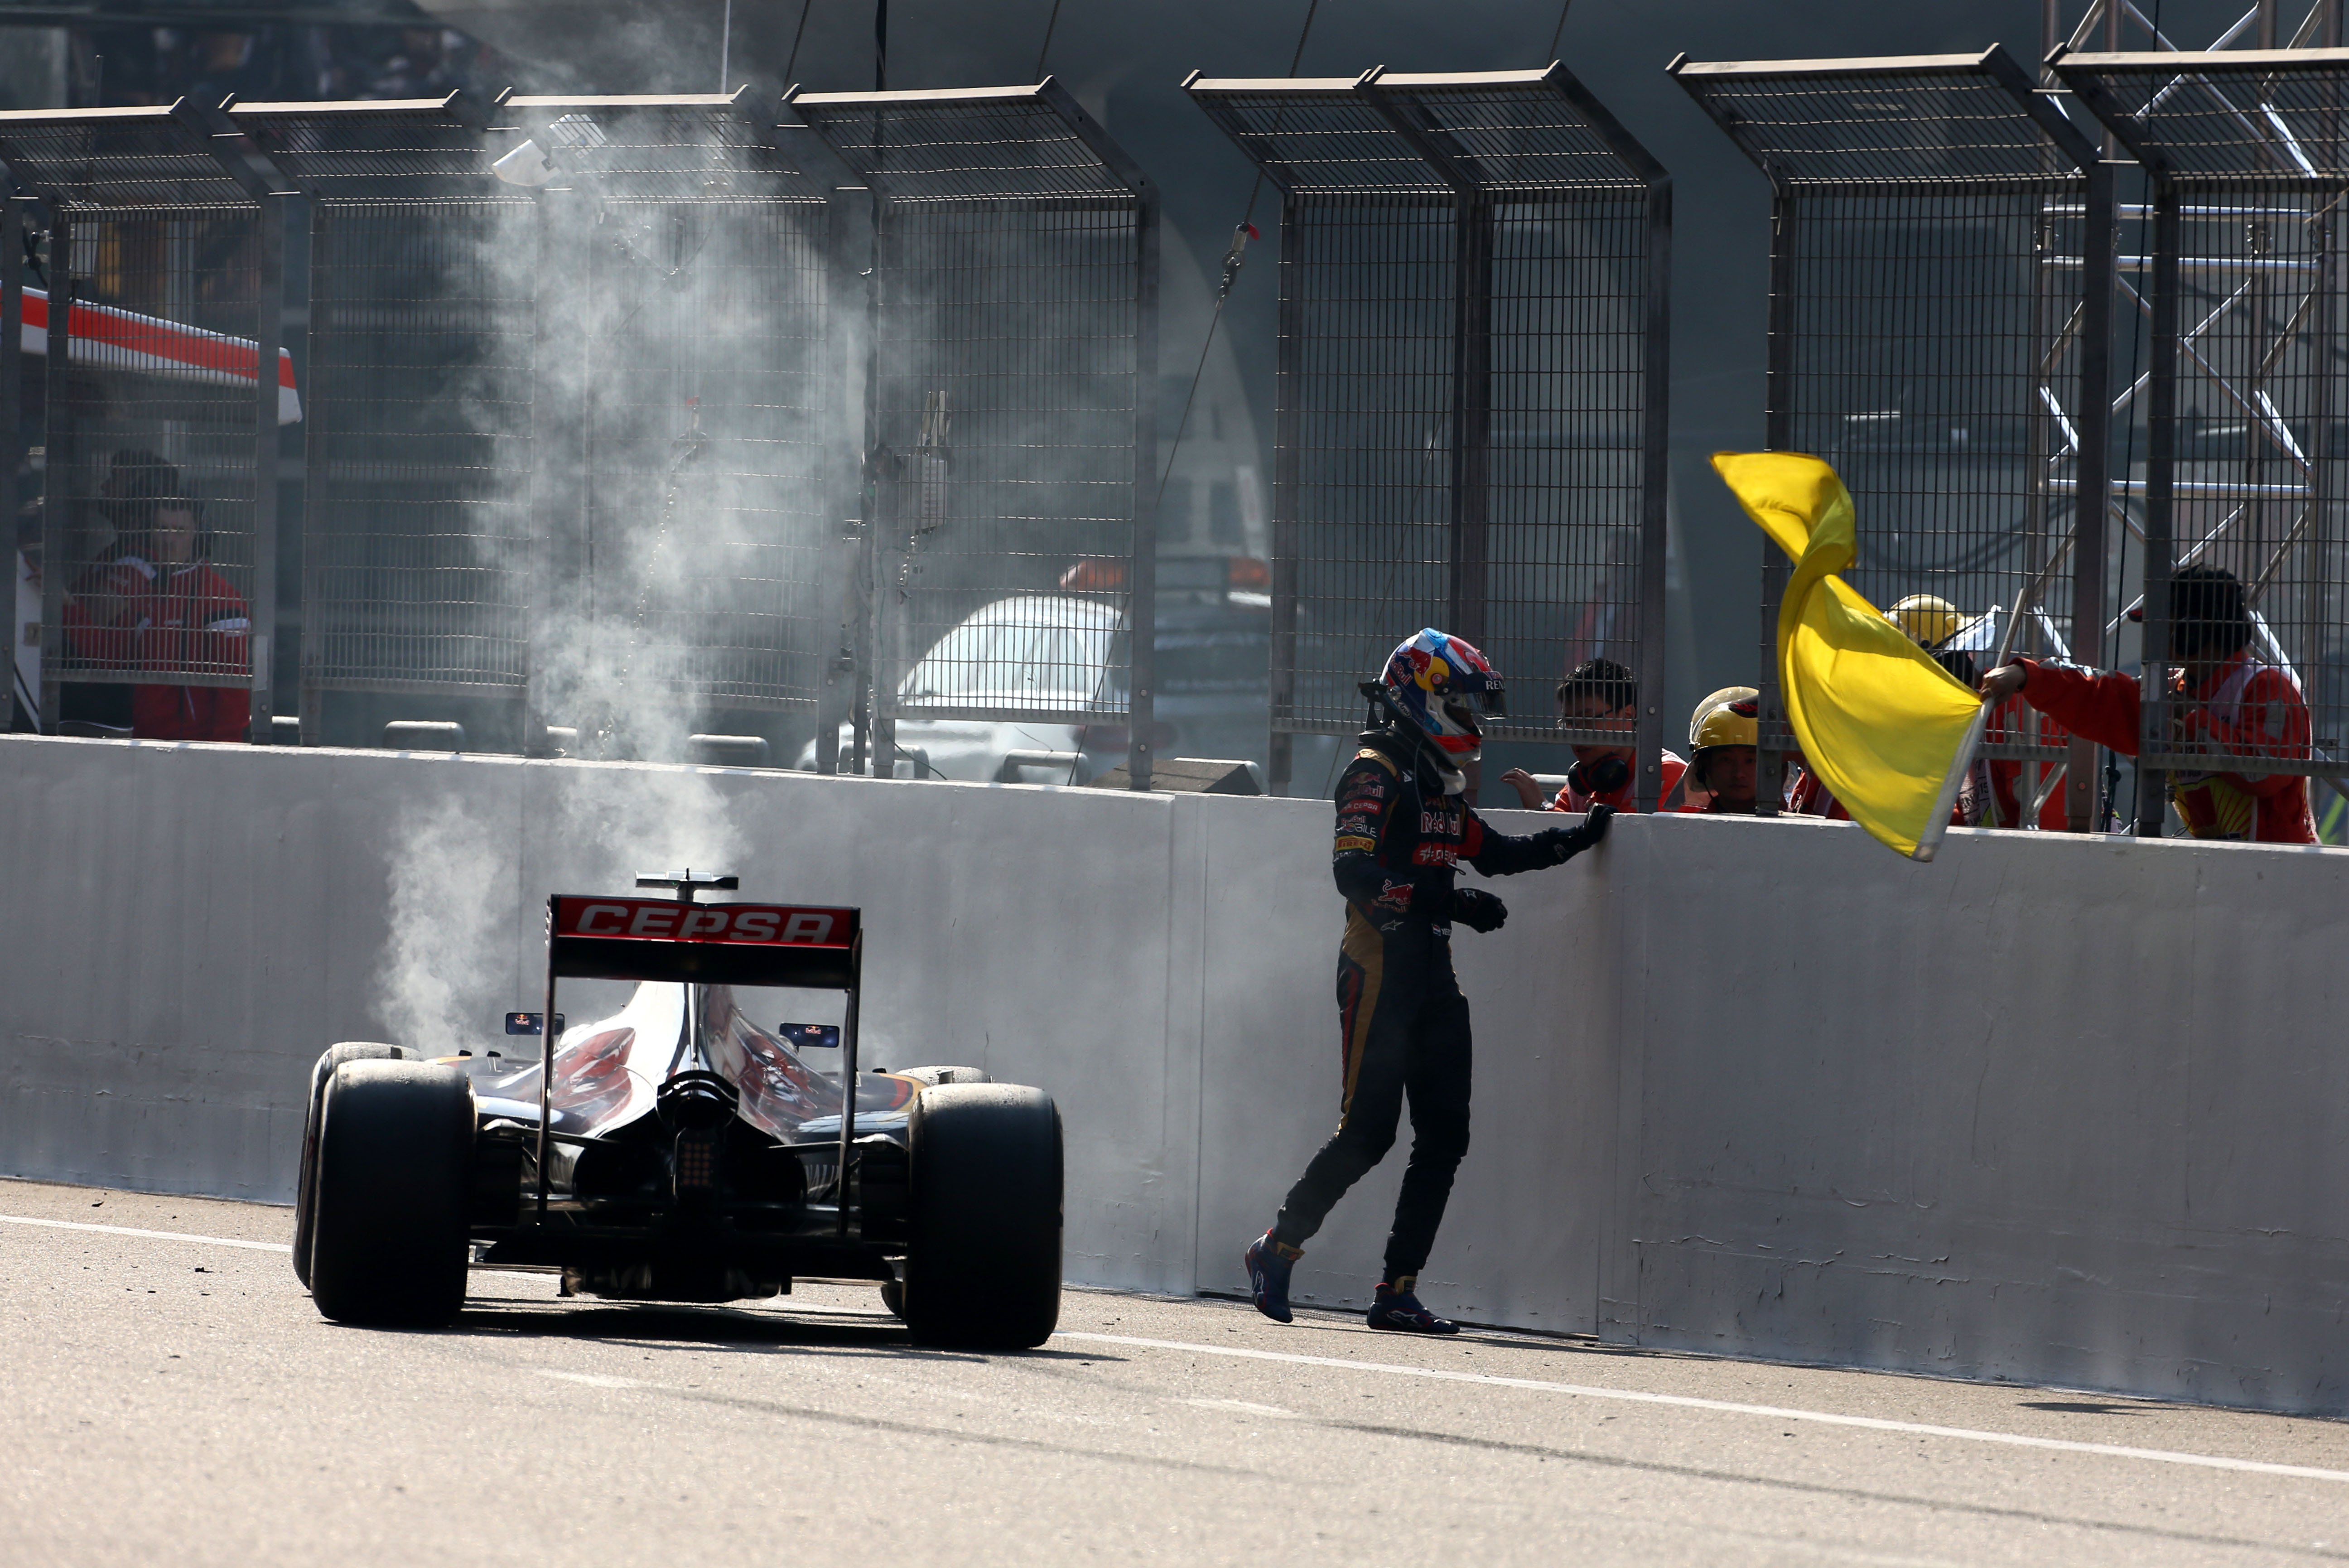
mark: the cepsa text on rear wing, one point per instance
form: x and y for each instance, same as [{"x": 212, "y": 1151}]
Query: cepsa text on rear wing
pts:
[{"x": 669, "y": 939}]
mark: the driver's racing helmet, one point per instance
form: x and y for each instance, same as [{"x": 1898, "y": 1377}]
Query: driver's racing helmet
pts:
[{"x": 1440, "y": 682}]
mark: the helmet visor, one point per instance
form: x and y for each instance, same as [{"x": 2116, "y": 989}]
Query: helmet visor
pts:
[{"x": 1492, "y": 702}]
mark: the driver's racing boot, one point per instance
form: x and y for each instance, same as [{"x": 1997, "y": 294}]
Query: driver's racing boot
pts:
[
  {"x": 1269, "y": 1263},
  {"x": 1397, "y": 1308}
]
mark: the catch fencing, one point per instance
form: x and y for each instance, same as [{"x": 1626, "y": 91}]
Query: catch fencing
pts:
[
  {"x": 682, "y": 268},
  {"x": 2241, "y": 291},
  {"x": 1472, "y": 416},
  {"x": 582, "y": 436},
  {"x": 163, "y": 301},
  {"x": 1940, "y": 331},
  {"x": 564, "y": 439},
  {"x": 416, "y": 533},
  {"x": 1011, "y": 450}
]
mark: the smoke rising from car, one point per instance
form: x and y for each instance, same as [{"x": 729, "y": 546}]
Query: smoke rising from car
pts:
[
  {"x": 451, "y": 925},
  {"x": 666, "y": 343},
  {"x": 662, "y": 531},
  {"x": 463, "y": 927}
]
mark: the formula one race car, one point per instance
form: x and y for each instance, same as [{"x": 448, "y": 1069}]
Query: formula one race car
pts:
[{"x": 678, "y": 1150}]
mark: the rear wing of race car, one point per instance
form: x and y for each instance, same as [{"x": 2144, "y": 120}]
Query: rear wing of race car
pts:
[
  {"x": 599, "y": 937},
  {"x": 594, "y": 938}
]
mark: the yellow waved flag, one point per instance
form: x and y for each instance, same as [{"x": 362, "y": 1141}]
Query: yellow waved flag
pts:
[{"x": 1887, "y": 730}]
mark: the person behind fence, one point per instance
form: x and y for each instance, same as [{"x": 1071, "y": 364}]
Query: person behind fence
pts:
[
  {"x": 1993, "y": 795},
  {"x": 1932, "y": 623},
  {"x": 2224, "y": 700},
  {"x": 1600, "y": 694},
  {"x": 157, "y": 602},
  {"x": 1402, "y": 828},
  {"x": 1724, "y": 735}
]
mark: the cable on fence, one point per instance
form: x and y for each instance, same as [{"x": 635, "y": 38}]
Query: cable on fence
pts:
[
  {"x": 1234, "y": 259},
  {"x": 798, "y": 32},
  {"x": 1045, "y": 52},
  {"x": 1559, "y": 31}
]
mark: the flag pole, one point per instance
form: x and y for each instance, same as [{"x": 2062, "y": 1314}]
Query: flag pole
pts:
[
  {"x": 1928, "y": 842},
  {"x": 1937, "y": 826}
]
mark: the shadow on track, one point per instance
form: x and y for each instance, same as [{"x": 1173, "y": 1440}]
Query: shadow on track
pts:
[
  {"x": 671, "y": 1323},
  {"x": 668, "y": 1325}
]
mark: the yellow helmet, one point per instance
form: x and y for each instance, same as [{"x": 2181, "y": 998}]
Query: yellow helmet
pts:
[
  {"x": 1929, "y": 620},
  {"x": 1718, "y": 722}
]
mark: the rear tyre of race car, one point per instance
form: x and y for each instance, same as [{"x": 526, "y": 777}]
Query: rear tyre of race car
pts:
[
  {"x": 389, "y": 1210},
  {"x": 983, "y": 1258},
  {"x": 328, "y": 1060}
]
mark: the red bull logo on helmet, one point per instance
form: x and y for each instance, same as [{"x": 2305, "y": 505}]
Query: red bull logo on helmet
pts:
[{"x": 1440, "y": 665}]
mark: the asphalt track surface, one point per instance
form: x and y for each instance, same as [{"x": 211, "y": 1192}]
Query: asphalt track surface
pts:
[{"x": 170, "y": 1397}]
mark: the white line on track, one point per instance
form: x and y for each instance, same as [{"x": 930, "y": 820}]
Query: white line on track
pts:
[
  {"x": 1491, "y": 1380},
  {"x": 595, "y": 1379},
  {"x": 1243, "y": 1407},
  {"x": 150, "y": 1235},
  {"x": 478, "y": 1273},
  {"x": 1691, "y": 1402}
]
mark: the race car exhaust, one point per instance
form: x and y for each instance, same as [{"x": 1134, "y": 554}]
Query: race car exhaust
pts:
[{"x": 698, "y": 1101}]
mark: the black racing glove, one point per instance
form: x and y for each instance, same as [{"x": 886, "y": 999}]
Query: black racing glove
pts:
[
  {"x": 1566, "y": 843},
  {"x": 1477, "y": 909}
]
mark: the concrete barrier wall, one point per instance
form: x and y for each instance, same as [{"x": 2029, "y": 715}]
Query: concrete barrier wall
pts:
[
  {"x": 2060, "y": 1109},
  {"x": 2050, "y": 1109}
]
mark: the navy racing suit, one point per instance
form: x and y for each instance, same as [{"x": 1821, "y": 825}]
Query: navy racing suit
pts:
[{"x": 1402, "y": 1022}]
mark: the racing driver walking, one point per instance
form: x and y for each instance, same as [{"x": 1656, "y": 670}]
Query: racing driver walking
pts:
[{"x": 1402, "y": 825}]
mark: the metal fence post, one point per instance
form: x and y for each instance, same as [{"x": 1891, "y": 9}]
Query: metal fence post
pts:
[
  {"x": 876, "y": 737},
  {"x": 2092, "y": 468},
  {"x": 56, "y": 460},
  {"x": 847, "y": 661},
  {"x": 1655, "y": 500},
  {"x": 1778, "y": 435},
  {"x": 268, "y": 323},
  {"x": 14, "y": 460},
  {"x": 2324, "y": 537},
  {"x": 1287, "y": 379},
  {"x": 2160, "y": 491},
  {"x": 1472, "y": 416},
  {"x": 1141, "y": 571},
  {"x": 277, "y": 205},
  {"x": 298, "y": 213},
  {"x": 319, "y": 326}
]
